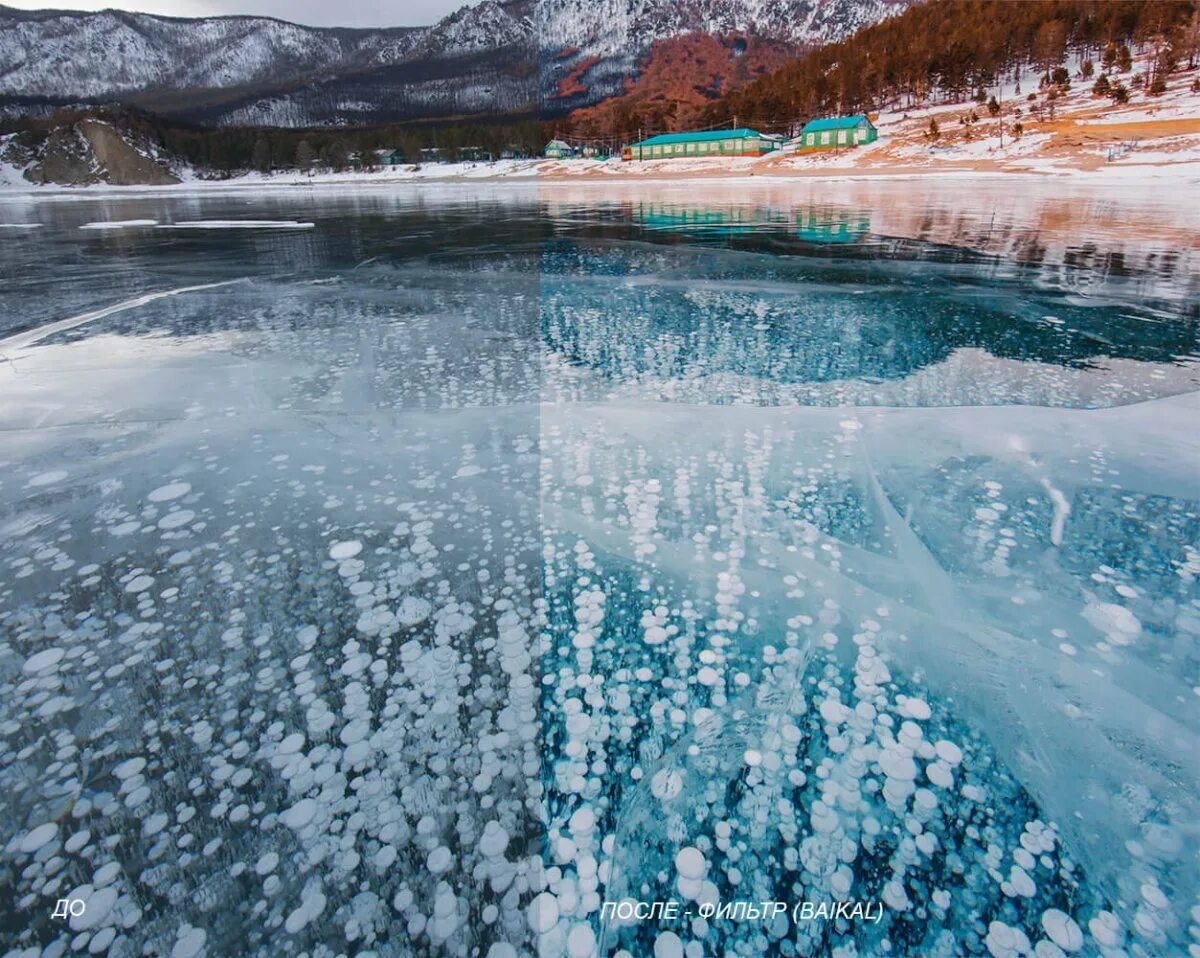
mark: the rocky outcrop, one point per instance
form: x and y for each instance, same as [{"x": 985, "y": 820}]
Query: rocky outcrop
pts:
[
  {"x": 124, "y": 163},
  {"x": 19, "y": 149},
  {"x": 67, "y": 159},
  {"x": 93, "y": 151}
]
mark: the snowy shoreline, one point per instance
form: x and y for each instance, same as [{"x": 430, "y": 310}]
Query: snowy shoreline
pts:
[{"x": 536, "y": 173}]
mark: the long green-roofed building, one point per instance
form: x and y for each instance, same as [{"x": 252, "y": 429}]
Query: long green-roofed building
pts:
[
  {"x": 837, "y": 131},
  {"x": 738, "y": 142}
]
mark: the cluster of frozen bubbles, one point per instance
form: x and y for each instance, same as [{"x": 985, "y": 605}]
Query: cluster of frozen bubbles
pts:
[
  {"x": 235, "y": 735},
  {"x": 715, "y": 749},
  {"x": 407, "y": 738}
]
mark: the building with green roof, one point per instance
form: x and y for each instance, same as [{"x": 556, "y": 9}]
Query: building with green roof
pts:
[
  {"x": 834, "y": 132},
  {"x": 737, "y": 142},
  {"x": 559, "y": 150}
]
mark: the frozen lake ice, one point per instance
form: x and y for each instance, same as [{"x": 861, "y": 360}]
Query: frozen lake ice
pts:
[{"x": 414, "y": 572}]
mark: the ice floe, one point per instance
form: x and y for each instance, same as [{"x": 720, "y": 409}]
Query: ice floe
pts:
[
  {"x": 237, "y": 225},
  {"x": 117, "y": 224}
]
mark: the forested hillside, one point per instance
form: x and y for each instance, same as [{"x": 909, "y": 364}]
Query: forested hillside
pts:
[
  {"x": 939, "y": 51},
  {"x": 951, "y": 49},
  {"x": 230, "y": 150},
  {"x": 678, "y": 78}
]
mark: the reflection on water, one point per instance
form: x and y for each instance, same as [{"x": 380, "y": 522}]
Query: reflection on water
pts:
[
  {"x": 812, "y": 225},
  {"x": 836, "y": 304},
  {"x": 1129, "y": 242},
  {"x": 419, "y": 582}
]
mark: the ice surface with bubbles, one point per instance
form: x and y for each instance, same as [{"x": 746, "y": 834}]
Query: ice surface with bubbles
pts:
[{"x": 365, "y": 594}]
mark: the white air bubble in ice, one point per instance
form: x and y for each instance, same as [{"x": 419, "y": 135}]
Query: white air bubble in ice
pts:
[
  {"x": 36, "y": 838},
  {"x": 340, "y": 551},
  {"x": 172, "y": 490}
]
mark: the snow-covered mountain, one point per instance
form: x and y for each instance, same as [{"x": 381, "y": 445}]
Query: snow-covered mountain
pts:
[
  {"x": 618, "y": 26},
  {"x": 484, "y": 58},
  {"x": 62, "y": 54},
  {"x": 238, "y": 69}
]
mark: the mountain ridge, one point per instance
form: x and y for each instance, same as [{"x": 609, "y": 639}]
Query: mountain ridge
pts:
[
  {"x": 69, "y": 57},
  {"x": 493, "y": 57}
]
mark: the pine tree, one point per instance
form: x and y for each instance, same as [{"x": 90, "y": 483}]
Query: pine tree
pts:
[
  {"x": 305, "y": 155},
  {"x": 1050, "y": 44},
  {"x": 1189, "y": 38},
  {"x": 261, "y": 157},
  {"x": 333, "y": 155}
]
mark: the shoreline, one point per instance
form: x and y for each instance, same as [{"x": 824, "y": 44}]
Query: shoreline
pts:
[
  {"x": 1176, "y": 172},
  {"x": 1159, "y": 174}
]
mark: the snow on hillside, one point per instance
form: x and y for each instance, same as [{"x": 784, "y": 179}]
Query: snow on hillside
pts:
[
  {"x": 74, "y": 55},
  {"x": 485, "y": 26},
  {"x": 64, "y": 56},
  {"x": 12, "y": 174},
  {"x": 615, "y": 33},
  {"x": 471, "y": 90},
  {"x": 618, "y": 27},
  {"x": 1075, "y": 133}
]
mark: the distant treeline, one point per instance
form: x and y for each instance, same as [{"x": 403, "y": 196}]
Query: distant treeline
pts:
[
  {"x": 230, "y": 150},
  {"x": 957, "y": 48}
]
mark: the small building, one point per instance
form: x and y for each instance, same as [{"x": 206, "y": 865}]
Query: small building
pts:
[
  {"x": 837, "y": 131},
  {"x": 474, "y": 154},
  {"x": 559, "y": 150},
  {"x": 737, "y": 142},
  {"x": 390, "y": 157}
]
